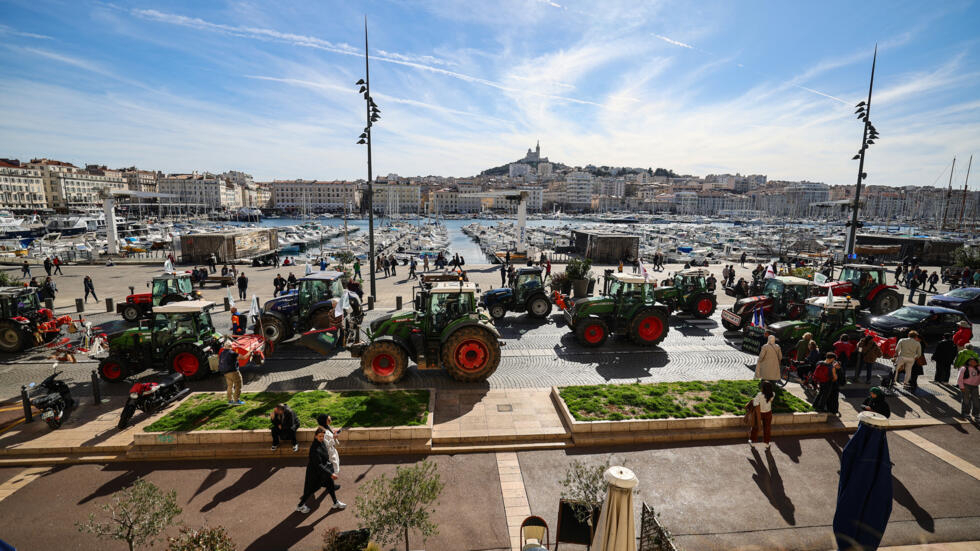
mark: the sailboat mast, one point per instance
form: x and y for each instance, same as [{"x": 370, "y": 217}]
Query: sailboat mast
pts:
[
  {"x": 949, "y": 194},
  {"x": 966, "y": 180}
]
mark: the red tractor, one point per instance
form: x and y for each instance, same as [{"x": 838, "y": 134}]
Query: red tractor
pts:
[
  {"x": 165, "y": 288},
  {"x": 867, "y": 284},
  {"x": 24, "y": 323}
]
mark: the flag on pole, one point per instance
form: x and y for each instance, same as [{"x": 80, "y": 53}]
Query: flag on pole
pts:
[
  {"x": 168, "y": 267},
  {"x": 231, "y": 300},
  {"x": 830, "y": 296},
  {"x": 343, "y": 304},
  {"x": 759, "y": 318},
  {"x": 309, "y": 269},
  {"x": 253, "y": 310},
  {"x": 770, "y": 273},
  {"x": 646, "y": 273}
]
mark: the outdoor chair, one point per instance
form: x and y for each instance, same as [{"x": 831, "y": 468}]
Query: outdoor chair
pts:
[{"x": 534, "y": 534}]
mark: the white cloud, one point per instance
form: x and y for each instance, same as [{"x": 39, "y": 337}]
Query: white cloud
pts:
[
  {"x": 674, "y": 42},
  {"x": 8, "y": 30}
]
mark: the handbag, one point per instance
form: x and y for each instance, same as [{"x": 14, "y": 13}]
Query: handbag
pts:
[{"x": 751, "y": 413}]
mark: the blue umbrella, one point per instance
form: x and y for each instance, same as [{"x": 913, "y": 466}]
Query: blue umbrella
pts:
[{"x": 864, "y": 496}]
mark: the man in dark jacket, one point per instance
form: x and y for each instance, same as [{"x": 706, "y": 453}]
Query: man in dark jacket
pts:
[
  {"x": 944, "y": 355},
  {"x": 319, "y": 474},
  {"x": 242, "y": 286},
  {"x": 228, "y": 366},
  {"x": 285, "y": 423}
]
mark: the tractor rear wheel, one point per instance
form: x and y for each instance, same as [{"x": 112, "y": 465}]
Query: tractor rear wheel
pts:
[
  {"x": 591, "y": 332},
  {"x": 885, "y": 302},
  {"x": 384, "y": 362},
  {"x": 703, "y": 305},
  {"x": 131, "y": 312},
  {"x": 113, "y": 369},
  {"x": 12, "y": 339},
  {"x": 189, "y": 361},
  {"x": 539, "y": 306},
  {"x": 471, "y": 354},
  {"x": 497, "y": 311},
  {"x": 273, "y": 329},
  {"x": 649, "y": 327}
]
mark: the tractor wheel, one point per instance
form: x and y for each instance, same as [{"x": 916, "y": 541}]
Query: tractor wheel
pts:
[
  {"x": 273, "y": 329},
  {"x": 172, "y": 298},
  {"x": 189, "y": 361},
  {"x": 384, "y": 362},
  {"x": 497, "y": 312},
  {"x": 591, "y": 332},
  {"x": 113, "y": 369},
  {"x": 471, "y": 354},
  {"x": 131, "y": 312},
  {"x": 729, "y": 326},
  {"x": 885, "y": 302},
  {"x": 703, "y": 305},
  {"x": 539, "y": 307},
  {"x": 12, "y": 339},
  {"x": 649, "y": 327}
]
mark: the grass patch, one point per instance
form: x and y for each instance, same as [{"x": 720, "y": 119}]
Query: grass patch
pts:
[
  {"x": 371, "y": 408},
  {"x": 669, "y": 400}
]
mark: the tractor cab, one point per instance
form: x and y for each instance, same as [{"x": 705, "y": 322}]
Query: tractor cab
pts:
[
  {"x": 444, "y": 303},
  {"x": 20, "y": 302},
  {"x": 528, "y": 281},
  {"x": 867, "y": 283},
  {"x": 170, "y": 286},
  {"x": 691, "y": 280},
  {"x": 317, "y": 288},
  {"x": 827, "y": 318},
  {"x": 836, "y": 311},
  {"x": 164, "y": 289},
  {"x": 627, "y": 289},
  {"x": 786, "y": 291}
]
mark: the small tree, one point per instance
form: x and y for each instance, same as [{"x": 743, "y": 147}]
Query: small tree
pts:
[
  {"x": 137, "y": 515},
  {"x": 201, "y": 539},
  {"x": 584, "y": 489},
  {"x": 389, "y": 507}
]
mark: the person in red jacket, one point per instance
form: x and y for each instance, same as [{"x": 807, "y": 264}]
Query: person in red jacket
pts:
[
  {"x": 844, "y": 349},
  {"x": 963, "y": 335}
]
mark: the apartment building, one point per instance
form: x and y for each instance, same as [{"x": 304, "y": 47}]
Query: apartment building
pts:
[
  {"x": 68, "y": 187},
  {"x": 201, "y": 190},
  {"x": 316, "y": 195},
  {"x": 21, "y": 188}
]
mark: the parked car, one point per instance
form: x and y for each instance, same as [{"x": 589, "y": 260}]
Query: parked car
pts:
[
  {"x": 964, "y": 299},
  {"x": 932, "y": 322}
]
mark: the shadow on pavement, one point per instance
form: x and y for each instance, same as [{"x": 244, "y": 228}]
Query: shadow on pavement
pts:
[
  {"x": 768, "y": 479},
  {"x": 214, "y": 477},
  {"x": 288, "y": 532},
  {"x": 249, "y": 480},
  {"x": 904, "y": 498}
]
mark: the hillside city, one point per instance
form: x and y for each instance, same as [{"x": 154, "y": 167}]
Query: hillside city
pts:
[{"x": 50, "y": 185}]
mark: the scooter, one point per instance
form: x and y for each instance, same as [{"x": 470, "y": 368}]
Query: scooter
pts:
[
  {"x": 152, "y": 397},
  {"x": 56, "y": 400}
]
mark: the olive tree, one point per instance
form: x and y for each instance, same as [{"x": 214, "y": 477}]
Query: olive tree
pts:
[
  {"x": 137, "y": 515},
  {"x": 390, "y": 507}
]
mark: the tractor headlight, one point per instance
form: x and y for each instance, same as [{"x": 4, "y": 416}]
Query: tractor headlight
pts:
[{"x": 133, "y": 395}]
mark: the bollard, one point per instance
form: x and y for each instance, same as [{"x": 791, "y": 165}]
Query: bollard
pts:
[
  {"x": 26, "y": 397},
  {"x": 398, "y": 303},
  {"x": 922, "y": 299},
  {"x": 132, "y": 290},
  {"x": 370, "y": 302},
  {"x": 79, "y": 305},
  {"x": 49, "y": 304},
  {"x": 227, "y": 304},
  {"x": 96, "y": 389},
  {"x": 108, "y": 305}
]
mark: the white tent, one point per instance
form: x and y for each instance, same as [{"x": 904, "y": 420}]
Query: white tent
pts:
[{"x": 615, "y": 530}]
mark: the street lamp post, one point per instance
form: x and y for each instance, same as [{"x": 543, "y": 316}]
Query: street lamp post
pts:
[
  {"x": 372, "y": 114},
  {"x": 870, "y": 135}
]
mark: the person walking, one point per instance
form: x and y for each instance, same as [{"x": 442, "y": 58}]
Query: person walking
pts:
[
  {"x": 357, "y": 270},
  {"x": 393, "y": 263},
  {"x": 384, "y": 265},
  {"x": 547, "y": 268},
  {"x": 913, "y": 283},
  {"x": 933, "y": 280},
  {"x": 425, "y": 263},
  {"x": 284, "y": 426},
  {"x": 279, "y": 285},
  {"x": 411, "y": 268},
  {"x": 876, "y": 402},
  {"x": 25, "y": 270},
  {"x": 943, "y": 356},
  {"x": 844, "y": 349},
  {"x": 319, "y": 474},
  {"x": 763, "y": 418},
  {"x": 767, "y": 365},
  {"x": 212, "y": 263},
  {"x": 228, "y": 367},
  {"x": 89, "y": 288},
  {"x": 57, "y": 265},
  {"x": 330, "y": 440},
  {"x": 48, "y": 289},
  {"x": 906, "y": 352},
  {"x": 47, "y": 265},
  {"x": 242, "y": 286},
  {"x": 503, "y": 275},
  {"x": 825, "y": 375},
  {"x": 968, "y": 381},
  {"x": 742, "y": 259},
  {"x": 868, "y": 353}
]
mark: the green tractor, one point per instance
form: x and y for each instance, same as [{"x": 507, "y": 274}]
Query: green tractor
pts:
[
  {"x": 179, "y": 336},
  {"x": 447, "y": 329},
  {"x": 628, "y": 305},
  {"x": 827, "y": 318},
  {"x": 688, "y": 292}
]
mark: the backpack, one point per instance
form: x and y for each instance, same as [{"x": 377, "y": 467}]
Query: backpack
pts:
[{"x": 821, "y": 374}]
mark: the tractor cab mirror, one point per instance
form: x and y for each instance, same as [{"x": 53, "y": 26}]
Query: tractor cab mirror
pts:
[
  {"x": 418, "y": 302},
  {"x": 147, "y": 284}
]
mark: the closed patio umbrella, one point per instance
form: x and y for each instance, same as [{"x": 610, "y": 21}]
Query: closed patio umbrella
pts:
[
  {"x": 615, "y": 530},
  {"x": 864, "y": 495}
]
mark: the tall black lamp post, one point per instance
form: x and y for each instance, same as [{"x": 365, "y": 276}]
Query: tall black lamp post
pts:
[
  {"x": 870, "y": 135},
  {"x": 373, "y": 114}
]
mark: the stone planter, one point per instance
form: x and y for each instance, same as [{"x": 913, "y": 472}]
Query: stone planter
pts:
[{"x": 580, "y": 288}]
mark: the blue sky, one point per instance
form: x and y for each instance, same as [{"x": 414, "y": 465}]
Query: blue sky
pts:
[{"x": 699, "y": 87}]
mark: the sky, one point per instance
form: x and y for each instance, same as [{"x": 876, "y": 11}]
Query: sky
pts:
[{"x": 267, "y": 87}]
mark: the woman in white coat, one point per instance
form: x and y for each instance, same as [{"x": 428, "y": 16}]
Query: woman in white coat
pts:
[
  {"x": 330, "y": 439},
  {"x": 767, "y": 367}
]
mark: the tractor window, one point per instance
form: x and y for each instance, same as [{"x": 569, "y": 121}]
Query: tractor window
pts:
[
  {"x": 678, "y": 281},
  {"x": 774, "y": 288},
  {"x": 24, "y": 305},
  {"x": 812, "y": 313},
  {"x": 852, "y": 275},
  {"x": 184, "y": 285},
  {"x": 847, "y": 317},
  {"x": 529, "y": 281},
  {"x": 159, "y": 287},
  {"x": 183, "y": 326},
  {"x": 204, "y": 323},
  {"x": 615, "y": 287},
  {"x": 796, "y": 293},
  {"x": 875, "y": 276}
]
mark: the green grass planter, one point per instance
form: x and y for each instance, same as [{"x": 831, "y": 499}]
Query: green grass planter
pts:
[
  {"x": 669, "y": 400},
  {"x": 372, "y": 408}
]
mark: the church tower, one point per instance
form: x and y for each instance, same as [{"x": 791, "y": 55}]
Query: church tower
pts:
[{"x": 537, "y": 150}]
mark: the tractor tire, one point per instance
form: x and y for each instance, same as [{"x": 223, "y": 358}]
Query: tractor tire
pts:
[
  {"x": 274, "y": 329},
  {"x": 731, "y": 326},
  {"x": 471, "y": 354},
  {"x": 189, "y": 361},
  {"x": 649, "y": 327},
  {"x": 384, "y": 362},
  {"x": 113, "y": 369},
  {"x": 127, "y": 414},
  {"x": 324, "y": 319},
  {"x": 703, "y": 305},
  {"x": 12, "y": 339},
  {"x": 539, "y": 307},
  {"x": 131, "y": 313},
  {"x": 172, "y": 298},
  {"x": 591, "y": 332},
  {"x": 885, "y": 302},
  {"x": 497, "y": 312}
]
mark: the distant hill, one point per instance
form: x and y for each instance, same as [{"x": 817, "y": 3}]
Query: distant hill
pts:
[{"x": 504, "y": 170}]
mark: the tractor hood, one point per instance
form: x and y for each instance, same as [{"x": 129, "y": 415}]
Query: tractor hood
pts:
[
  {"x": 782, "y": 328},
  {"x": 496, "y": 295},
  {"x": 589, "y": 302},
  {"x": 401, "y": 316},
  {"x": 747, "y": 303},
  {"x": 285, "y": 303}
]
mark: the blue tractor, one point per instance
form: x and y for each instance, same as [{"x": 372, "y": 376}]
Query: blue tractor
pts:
[
  {"x": 525, "y": 294},
  {"x": 310, "y": 306}
]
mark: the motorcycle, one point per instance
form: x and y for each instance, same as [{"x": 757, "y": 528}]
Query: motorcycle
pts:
[
  {"x": 152, "y": 397},
  {"x": 56, "y": 400}
]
